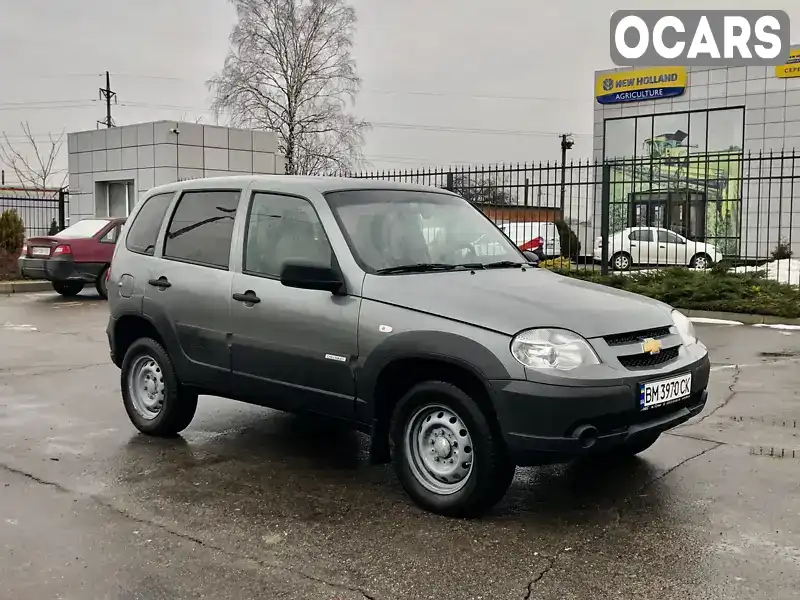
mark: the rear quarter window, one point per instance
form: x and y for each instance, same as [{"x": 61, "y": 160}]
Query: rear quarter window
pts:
[{"x": 144, "y": 230}]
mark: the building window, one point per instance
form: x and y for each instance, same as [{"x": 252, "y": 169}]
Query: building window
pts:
[
  {"x": 114, "y": 198},
  {"x": 679, "y": 171}
]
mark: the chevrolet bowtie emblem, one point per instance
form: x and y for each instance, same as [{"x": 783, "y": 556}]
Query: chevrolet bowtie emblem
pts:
[{"x": 651, "y": 346}]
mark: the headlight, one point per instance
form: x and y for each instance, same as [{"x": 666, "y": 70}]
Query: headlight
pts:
[
  {"x": 552, "y": 349},
  {"x": 685, "y": 327}
]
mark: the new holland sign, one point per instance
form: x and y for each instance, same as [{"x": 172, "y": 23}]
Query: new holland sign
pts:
[{"x": 639, "y": 85}]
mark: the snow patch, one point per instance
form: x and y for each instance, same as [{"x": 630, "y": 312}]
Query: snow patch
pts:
[{"x": 786, "y": 270}]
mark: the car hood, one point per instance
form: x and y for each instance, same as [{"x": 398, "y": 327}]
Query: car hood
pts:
[{"x": 510, "y": 300}]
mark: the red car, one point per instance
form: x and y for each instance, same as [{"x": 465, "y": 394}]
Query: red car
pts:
[{"x": 70, "y": 259}]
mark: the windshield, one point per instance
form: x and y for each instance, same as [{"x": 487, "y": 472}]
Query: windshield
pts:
[
  {"x": 83, "y": 229},
  {"x": 387, "y": 229}
]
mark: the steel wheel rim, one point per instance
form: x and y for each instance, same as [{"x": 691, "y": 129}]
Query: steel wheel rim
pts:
[
  {"x": 146, "y": 387},
  {"x": 439, "y": 450},
  {"x": 700, "y": 262}
]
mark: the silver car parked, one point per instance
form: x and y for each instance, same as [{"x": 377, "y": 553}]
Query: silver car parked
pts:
[{"x": 325, "y": 295}]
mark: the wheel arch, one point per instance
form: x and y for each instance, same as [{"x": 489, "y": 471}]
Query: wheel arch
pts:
[
  {"x": 408, "y": 359},
  {"x": 127, "y": 329}
]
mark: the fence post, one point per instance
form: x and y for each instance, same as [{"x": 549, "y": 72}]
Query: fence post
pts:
[
  {"x": 605, "y": 217},
  {"x": 62, "y": 213},
  {"x": 449, "y": 185},
  {"x": 527, "y": 186}
]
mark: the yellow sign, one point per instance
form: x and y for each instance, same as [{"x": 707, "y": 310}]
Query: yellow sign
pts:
[
  {"x": 642, "y": 84},
  {"x": 792, "y": 66}
]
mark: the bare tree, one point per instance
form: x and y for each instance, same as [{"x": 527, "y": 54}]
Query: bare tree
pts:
[
  {"x": 290, "y": 71},
  {"x": 34, "y": 165}
]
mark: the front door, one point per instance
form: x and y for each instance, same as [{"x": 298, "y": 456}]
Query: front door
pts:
[
  {"x": 190, "y": 287},
  {"x": 291, "y": 348}
]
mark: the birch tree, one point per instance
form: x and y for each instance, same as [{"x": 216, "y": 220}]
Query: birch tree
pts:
[
  {"x": 33, "y": 163},
  {"x": 290, "y": 70}
]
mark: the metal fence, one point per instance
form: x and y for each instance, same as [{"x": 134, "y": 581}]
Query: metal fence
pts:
[
  {"x": 685, "y": 209},
  {"x": 40, "y": 215}
]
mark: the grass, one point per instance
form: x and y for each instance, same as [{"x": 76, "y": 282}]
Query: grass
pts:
[{"x": 713, "y": 290}]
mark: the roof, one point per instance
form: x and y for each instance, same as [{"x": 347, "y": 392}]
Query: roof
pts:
[{"x": 297, "y": 182}]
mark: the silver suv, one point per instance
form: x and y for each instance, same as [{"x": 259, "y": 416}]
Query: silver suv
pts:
[{"x": 401, "y": 309}]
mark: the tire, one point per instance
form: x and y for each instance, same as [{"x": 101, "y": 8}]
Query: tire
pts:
[
  {"x": 475, "y": 485},
  {"x": 634, "y": 448},
  {"x": 621, "y": 261},
  {"x": 101, "y": 284},
  {"x": 68, "y": 289},
  {"x": 171, "y": 408},
  {"x": 700, "y": 261}
]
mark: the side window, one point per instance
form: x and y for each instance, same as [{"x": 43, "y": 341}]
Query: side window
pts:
[
  {"x": 111, "y": 235},
  {"x": 201, "y": 228},
  {"x": 641, "y": 235},
  {"x": 147, "y": 223},
  {"x": 282, "y": 229},
  {"x": 668, "y": 237}
]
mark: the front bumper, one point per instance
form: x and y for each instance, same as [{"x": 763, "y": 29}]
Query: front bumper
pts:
[
  {"x": 60, "y": 268},
  {"x": 545, "y": 423}
]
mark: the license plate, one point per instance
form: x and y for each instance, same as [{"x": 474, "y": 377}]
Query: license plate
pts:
[
  {"x": 41, "y": 251},
  {"x": 664, "y": 391}
]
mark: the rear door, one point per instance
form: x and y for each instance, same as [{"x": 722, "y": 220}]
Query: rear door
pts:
[
  {"x": 671, "y": 250},
  {"x": 189, "y": 289}
]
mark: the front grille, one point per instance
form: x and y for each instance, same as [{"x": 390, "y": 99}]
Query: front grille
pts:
[
  {"x": 646, "y": 361},
  {"x": 620, "y": 339}
]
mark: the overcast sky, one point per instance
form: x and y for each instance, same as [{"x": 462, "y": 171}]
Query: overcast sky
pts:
[{"x": 444, "y": 82}]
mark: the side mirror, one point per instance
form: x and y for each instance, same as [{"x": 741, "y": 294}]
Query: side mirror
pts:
[
  {"x": 312, "y": 277},
  {"x": 532, "y": 257}
]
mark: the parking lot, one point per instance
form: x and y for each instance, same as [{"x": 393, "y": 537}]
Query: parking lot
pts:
[{"x": 255, "y": 503}]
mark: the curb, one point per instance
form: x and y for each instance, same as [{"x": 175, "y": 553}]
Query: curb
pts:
[
  {"x": 20, "y": 287},
  {"x": 745, "y": 318}
]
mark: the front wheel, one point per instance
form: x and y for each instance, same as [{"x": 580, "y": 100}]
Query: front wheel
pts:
[
  {"x": 156, "y": 403},
  {"x": 448, "y": 457},
  {"x": 68, "y": 289},
  {"x": 633, "y": 448}
]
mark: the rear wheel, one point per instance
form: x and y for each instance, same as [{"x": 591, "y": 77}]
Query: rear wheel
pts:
[
  {"x": 448, "y": 457},
  {"x": 700, "y": 261},
  {"x": 68, "y": 289},
  {"x": 101, "y": 284},
  {"x": 156, "y": 403},
  {"x": 621, "y": 261}
]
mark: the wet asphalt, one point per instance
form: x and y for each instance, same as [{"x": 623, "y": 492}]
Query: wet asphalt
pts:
[{"x": 252, "y": 503}]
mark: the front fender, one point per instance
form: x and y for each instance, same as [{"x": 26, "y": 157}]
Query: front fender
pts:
[{"x": 457, "y": 350}]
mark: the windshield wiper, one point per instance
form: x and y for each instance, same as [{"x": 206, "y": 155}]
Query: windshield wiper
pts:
[
  {"x": 416, "y": 268},
  {"x": 504, "y": 264}
]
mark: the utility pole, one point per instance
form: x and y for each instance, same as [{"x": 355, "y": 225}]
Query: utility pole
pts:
[
  {"x": 566, "y": 144},
  {"x": 108, "y": 95}
]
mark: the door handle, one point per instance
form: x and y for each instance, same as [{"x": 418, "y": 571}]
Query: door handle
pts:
[
  {"x": 633, "y": 245},
  {"x": 249, "y": 297},
  {"x": 162, "y": 282},
  {"x": 661, "y": 246}
]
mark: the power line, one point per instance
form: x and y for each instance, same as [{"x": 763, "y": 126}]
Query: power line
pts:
[
  {"x": 383, "y": 125},
  {"x": 467, "y": 95}
]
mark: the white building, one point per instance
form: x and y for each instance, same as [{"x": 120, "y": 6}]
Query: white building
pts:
[
  {"x": 110, "y": 169},
  {"x": 705, "y": 130}
]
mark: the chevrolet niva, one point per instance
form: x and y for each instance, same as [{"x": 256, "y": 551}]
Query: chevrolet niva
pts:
[{"x": 401, "y": 309}]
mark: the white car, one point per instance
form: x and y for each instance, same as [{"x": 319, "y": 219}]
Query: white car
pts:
[
  {"x": 535, "y": 235},
  {"x": 655, "y": 246}
]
